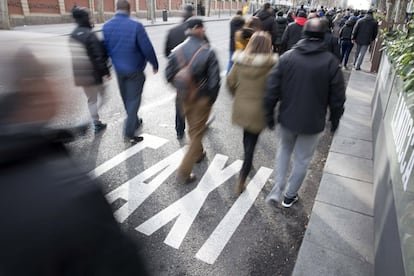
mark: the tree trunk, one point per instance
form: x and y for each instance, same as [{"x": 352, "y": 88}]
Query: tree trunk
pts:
[
  {"x": 390, "y": 12},
  {"x": 401, "y": 11}
]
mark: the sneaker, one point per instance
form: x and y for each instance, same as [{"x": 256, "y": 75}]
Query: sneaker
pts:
[
  {"x": 135, "y": 139},
  {"x": 358, "y": 68},
  {"x": 288, "y": 202},
  {"x": 99, "y": 126}
]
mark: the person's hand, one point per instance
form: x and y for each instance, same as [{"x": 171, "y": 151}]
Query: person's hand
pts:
[
  {"x": 155, "y": 71},
  {"x": 271, "y": 124}
]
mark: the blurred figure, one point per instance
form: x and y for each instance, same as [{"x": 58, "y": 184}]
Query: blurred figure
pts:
[
  {"x": 89, "y": 74},
  {"x": 246, "y": 82},
  {"x": 130, "y": 48},
  {"x": 331, "y": 41},
  {"x": 175, "y": 37},
  {"x": 206, "y": 73},
  {"x": 290, "y": 17},
  {"x": 281, "y": 24},
  {"x": 54, "y": 219},
  {"x": 267, "y": 19},
  {"x": 364, "y": 32},
  {"x": 306, "y": 81},
  {"x": 345, "y": 35},
  {"x": 243, "y": 35},
  {"x": 293, "y": 33},
  {"x": 236, "y": 23}
]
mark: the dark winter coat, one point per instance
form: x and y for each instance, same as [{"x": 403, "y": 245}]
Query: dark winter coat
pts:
[
  {"x": 88, "y": 69},
  {"x": 175, "y": 36},
  {"x": 55, "y": 220},
  {"x": 236, "y": 24},
  {"x": 365, "y": 30},
  {"x": 332, "y": 44},
  {"x": 306, "y": 80},
  {"x": 346, "y": 31},
  {"x": 205, "y": 67},
  {"x": 268, "y": 23},
  {"x": 292, "y": 34},
  {"x": 281, "y": 24}
]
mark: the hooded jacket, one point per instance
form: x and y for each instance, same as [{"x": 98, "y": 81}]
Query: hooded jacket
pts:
[
  {"x": 268, "y": 23},
  {"x": 246, "y": 82},
  {"x": 90, "y": 70},
  {"x": 346, "y": 31},
  {"x": 365, "y": 30},
  {"x": 205, "y": 68},
  {"x": 281, "y": 24},
  {"x": 292, "y": 34},
  {"x": 306, "y": 81}
]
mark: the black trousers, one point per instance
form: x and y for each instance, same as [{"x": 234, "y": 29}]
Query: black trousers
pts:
[{"x": 249, "y": 144}]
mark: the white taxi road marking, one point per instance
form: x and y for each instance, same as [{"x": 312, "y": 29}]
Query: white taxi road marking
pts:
[
  {"x": 136, "y": 191},
  {"x": 187, "y": 208},
  {"x": 150, "y": 141},
  {"x": 215, "y": 244}
]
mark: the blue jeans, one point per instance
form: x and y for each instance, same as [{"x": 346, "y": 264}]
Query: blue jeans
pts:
[
  {"x": 346, "y": 48},
  {"x": 130, "y": 86},
  {"x": 230, "y": 62},
  {"x": 302, "y": 148},
  {"x": 179, "y": 118}
]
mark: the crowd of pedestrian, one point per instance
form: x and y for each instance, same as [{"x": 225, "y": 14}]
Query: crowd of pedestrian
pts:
[{"x": 290, "y": 60}]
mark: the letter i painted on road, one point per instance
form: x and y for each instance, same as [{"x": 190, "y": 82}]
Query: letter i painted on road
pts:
[
  {"x": 212, "y": 248},
  {"x": 187, "y": 208}
]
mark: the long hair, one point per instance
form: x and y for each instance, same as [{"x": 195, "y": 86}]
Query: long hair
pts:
[
  {"x": 259, "y": 43},
  {"x": 254, "y": 23}
]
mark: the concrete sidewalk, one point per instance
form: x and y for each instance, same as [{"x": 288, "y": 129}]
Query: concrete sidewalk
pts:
[{"x": 339, "y": 239}]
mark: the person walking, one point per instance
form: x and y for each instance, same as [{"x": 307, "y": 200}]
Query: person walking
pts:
[
  {"x": 246, "y": 82},
  {"x": 130, "y": 48},
  {"x": 267, "y": 18},
  {"x": 91, "y": 73},
  {"x": 236, "y": 23},
  {"x": 281, "y": 24},
  {"x": 175, "y": 37},
  {"x": 61, "y": 223},
  {"x": 365, "y": 31},
  {"x": 243, "y": 35},
  {"x": 205, "y": 72},
  {"x": 346, "y": 44},
  {"x": 306, "y": 80},
  {"x": 293, "y": 33}
]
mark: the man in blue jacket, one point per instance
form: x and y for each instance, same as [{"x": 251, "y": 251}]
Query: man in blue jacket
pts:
[{"x": 129, "y": 47}]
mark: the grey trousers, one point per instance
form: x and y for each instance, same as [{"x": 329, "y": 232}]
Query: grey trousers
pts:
[
  {"x": 96, "y": 97},
  {"x": 360, "y": 54},
  {"x": 302, "y": 147}
]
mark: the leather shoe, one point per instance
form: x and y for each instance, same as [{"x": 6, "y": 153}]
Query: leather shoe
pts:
[
  {"x": 135, "y": 139},
  {"x": 201, "y": 158},
  {"x": 186, "y": 180}
]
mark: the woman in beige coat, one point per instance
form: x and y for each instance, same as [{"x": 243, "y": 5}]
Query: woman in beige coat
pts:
[{"x": 246, "y": 82}]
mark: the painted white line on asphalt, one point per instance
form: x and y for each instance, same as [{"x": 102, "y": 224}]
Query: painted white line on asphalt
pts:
[
  {"x": 187, "y": 208},
  {"x": 136, "y": 191},
  {"x": 215, "y": 244},
  {"x": 150, "y": 141}
]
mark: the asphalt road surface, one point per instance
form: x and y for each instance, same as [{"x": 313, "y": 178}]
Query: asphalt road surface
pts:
[{"x": 198, "y": 229}]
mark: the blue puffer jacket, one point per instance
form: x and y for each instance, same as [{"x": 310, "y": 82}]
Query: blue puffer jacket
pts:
[{"x": 128, "y": 44}]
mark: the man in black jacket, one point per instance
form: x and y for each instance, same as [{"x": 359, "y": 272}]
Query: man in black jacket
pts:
[
  {"x": 175, "y": 37},
  {"x": 236, "y": 23},
  {"x": 365, "y": 31},
  {"x": 306, "y": 81},
  {"x": 206, "y": 73},
  {"x": 89, "y": 72},
  {"x": 292, "y": 33},
  {"x": 268, "y": 21},
  {"x": 55, "y": 220}
]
